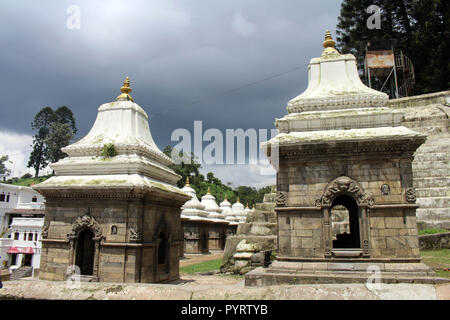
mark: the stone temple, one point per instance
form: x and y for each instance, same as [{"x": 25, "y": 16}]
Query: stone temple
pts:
[
  {"x": 113, "y": 207},
  {"x": 341, "y": 147},
  {"x": 204, "y": 225}
]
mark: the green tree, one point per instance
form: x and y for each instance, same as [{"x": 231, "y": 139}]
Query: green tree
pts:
[
  {"x": 3, "y": 169},
  {"x": 55, "y": 130},
  {"x": 64, "y": 115},
  {"x": 188, "y": 167},
  {"x": 59, "y": 136},
  {"x": 420, "y": 29},
  {"x": 41, "y": 123}
]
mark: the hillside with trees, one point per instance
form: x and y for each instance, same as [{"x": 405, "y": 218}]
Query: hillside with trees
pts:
[{"x": 190, "y": 168}]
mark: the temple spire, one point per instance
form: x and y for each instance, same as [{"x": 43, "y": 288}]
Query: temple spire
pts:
[
  {"x": 187, "y": 182},
  {"x": 125, "y": 89},
  {"x": 329, "y": 45}
]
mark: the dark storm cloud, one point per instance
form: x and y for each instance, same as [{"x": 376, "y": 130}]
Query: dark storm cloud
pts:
[{"x": 178, "y": 54}]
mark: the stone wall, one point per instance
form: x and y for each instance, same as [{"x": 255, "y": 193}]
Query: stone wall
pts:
[
  {"x": 435, "y": 241},
  {"x": 126, "y": 253},
  {"x": 430, "y": 114}
]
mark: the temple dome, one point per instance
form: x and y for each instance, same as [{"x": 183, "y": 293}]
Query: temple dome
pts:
[
  {"x": 334, "y": 84},
  {"x": 193, "y": 205},
  {"x": 209, "y": 201},
  {"x": 237, "y": 207},
  {"x": 225, "y": 205},
  {"x": 118, "y": 151}
]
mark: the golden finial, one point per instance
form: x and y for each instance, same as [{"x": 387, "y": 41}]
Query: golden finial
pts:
[
  {"x": 209, "y": 190},
  {"x": 125, "y": 89},
  {"x": 226, "y": 198},
  {"x": 246, "y": 206},
  {"x": 237, "y": 200},
  {"x": 187, "y": 182},
  {"x": 329, "y": 45}
]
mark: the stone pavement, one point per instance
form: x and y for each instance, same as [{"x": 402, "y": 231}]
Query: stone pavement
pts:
[{"x": 220, "y": 287}]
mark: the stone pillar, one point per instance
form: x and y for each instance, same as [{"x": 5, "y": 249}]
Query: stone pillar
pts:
[
  {"x": 365, "y": 231},
  {"x": 327, "y": 232},
  {"x": 96, "y": 256},
  {"x": 71, "y": 250}
]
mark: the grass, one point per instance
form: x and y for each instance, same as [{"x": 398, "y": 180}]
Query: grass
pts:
[
  {"x": 27, "y": 182},
  {"x": 206, "y": 266},
  {"x": 438, "y": 260},
  {"x": 431, "y": 231}
]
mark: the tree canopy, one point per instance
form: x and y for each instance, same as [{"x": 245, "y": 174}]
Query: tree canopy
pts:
[
  {"x": 3, "y": 169},
  {"x": 420, "y": 29},
  {"x": 55, "y": 129}
]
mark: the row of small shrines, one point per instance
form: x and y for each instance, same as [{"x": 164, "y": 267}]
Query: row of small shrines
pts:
[{"x": 205, "y": 224}]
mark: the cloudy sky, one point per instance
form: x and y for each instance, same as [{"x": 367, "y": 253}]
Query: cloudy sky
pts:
[{"x": 231, "y": 64}]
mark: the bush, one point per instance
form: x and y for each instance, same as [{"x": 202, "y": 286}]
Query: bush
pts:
[{"x": 26, "y": 176}]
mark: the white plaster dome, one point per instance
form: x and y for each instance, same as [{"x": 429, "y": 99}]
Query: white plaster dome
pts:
[
  {"x": 133, "y": 159},
  {"x": 124, "y": 124},
  {"x": 237, "y": 207},
  {"x": 225, "y": 205},
  {"x": 334, "y": 83},
  {"x": 209, "y": 201},
  {"x": 193, "y": 207}
]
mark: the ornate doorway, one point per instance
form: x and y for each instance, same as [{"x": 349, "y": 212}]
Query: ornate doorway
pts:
[
  {"x": 348, "y": 193},
  {"x": 85, "y": 252},
  {"x": 349, "y": 238}
]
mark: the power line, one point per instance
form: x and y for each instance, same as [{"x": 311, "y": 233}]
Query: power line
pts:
[
  {"x": 239, "y": 88},
  {"x": 250, "y": 84}
]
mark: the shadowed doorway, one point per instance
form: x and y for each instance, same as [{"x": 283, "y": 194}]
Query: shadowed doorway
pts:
[
  {"x": 85, "y": 252},
  {"x": 350, "y": 238}
]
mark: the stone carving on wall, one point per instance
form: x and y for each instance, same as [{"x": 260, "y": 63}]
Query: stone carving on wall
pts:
[
  {"x": 86, "y": 222},
  {"x": 134, "y": 235},
  {"x": 365, "y": 247},
  {"x": 410, "y": 195},
  {"x": 385, "y": 190},
  {"x": 44, "y": 232},
  {"x": 281, "y": 199},
  {"x": 344, "y": 185}
]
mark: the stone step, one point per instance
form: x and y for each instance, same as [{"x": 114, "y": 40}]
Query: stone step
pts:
[
  {"x": 261, "y": 278},
  {"x": 434, "y": 202},
  {"x": 433, "y": 214},
  {"x": 430, "y": 173},
  {"x": 433, "y": 143},
  {"x": 433, "y": 192},
  {"x": 426, "y": 165},
  {"x": 432, "y": 182},
  {"x": 431, "y": 156},
  {"x": 22, "y": 272}
]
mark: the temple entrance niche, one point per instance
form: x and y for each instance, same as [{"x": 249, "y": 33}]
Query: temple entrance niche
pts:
[
  {"x": 162, "y": 250},
  {"x": 346, "y": 231},
  {"x": 85, "y": 252}
]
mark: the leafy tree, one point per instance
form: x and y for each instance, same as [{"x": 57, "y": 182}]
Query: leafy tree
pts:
[
  {"x": 64, "y": 115},
  {"x": 420, "y": 29},
  {"x": 190, "y": 168},
  {"x": 54, "y": 129},
  {"x": 59, "y": 136},
  {"x": 41, "y": 123},
  {"x": 3, "y": 169}
]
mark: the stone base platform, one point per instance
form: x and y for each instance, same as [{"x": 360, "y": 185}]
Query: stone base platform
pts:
[{"x": 282, "y": 273}]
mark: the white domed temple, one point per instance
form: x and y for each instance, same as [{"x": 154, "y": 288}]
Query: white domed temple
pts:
[
  {"x": 113, "y": 206},
  {"x": 203, "y": 223}
]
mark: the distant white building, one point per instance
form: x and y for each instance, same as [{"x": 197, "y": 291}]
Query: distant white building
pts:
[
  {"x": 17, "y": 201},
  {"x": 23, "y": 247}
]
